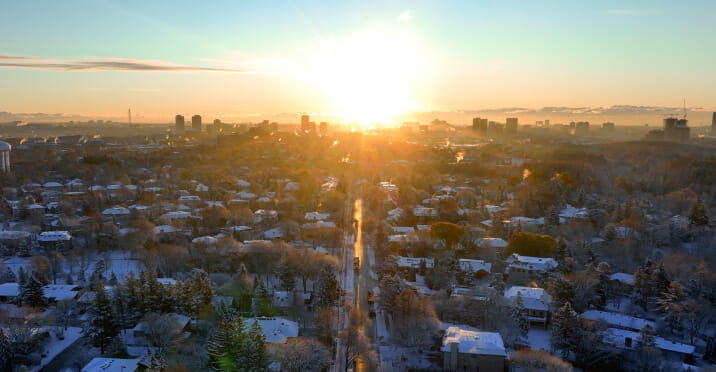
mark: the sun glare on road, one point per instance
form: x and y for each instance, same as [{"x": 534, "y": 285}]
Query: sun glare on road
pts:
[{"x": 370, "y": 77}]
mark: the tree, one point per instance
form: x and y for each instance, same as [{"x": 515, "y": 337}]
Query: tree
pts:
[
  {"x": 196, "y": 292},
  {"x": 538, "y": 360},
  {"x": 448, "y": 232},
  {"x": 328, "y": 289},
  {"x": 300, "y": 354},
  {"x": 234, "y": 348},
  {"x": 699, "y": 214},
  {"x": 161, "y": 330},
  {"x": 33, "y": 294},
  {"x": 9, "y": 276},
  {"x": 565, "y": 329},
  {"x": 670, "y": 303},
  {"x": 5, "y": 352},
  {"x": 530, "y": 244},
  {"x": 648, "y": 355},
  {"x": 520, "y": 315},
  {"x": 103, "y": 326},
  {"x": 415, "y": 321}
]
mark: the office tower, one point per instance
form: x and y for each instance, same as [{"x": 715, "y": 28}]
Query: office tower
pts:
[
  {"x": 5, "y": 157},
  {"x": 179, "y": 123},
  {"x": 305, "y": 122},
  {"x": 217, "y": 125},
  {"x": 479, "y": 125},
  {"x": 511, "y": 125},
  {"x": 581, "y": 128},
  {"x": 713, "y": 124},
  {"x": 196, "y": 123},
  {"x": 676, "y": 129},
  {"x": 323, "y": 128}
]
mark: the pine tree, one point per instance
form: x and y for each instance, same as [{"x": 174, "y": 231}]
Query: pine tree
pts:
[
  {"x": 227, "y": 336},
  {"x": 562, "y": 291},
  {"x": 113, "y": 279},
  {"x": 33, "y": 294},
  {"x": 21, "y": 276},
  {"x": 699, "y": 214},
  {"x": 197, "y": 292},
  {"x": 261, "y": 300},
  {"x": 286, "y": 276},
  {"x": 6, "y": 353},
  {"x": 670, "y": 303},
  {"x": 9, "y": 276},
  {"x": 565, "y": 329},
  {"x": 255, "y": 354},
  {"x": 328, "y": 290},
  {"x": 157, "y": 363},
  {"x": 519, "y": 314},
  {"x": 103, "y": 326}
]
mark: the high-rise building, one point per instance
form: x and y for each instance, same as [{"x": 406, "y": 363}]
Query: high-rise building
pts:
[
  {"x": 179, "y": 123},
  {"x": 323, "y": 128},
  {"x": 5, "y": 157},
  {"x": 608, "y": 126},
  {"x": 196, "y": 123},
  {"x": 479, "y": 125},
  {"x": 713, "y": 124},
  {"x": 217, "y": 125},
  {"x": 581, "y": 128},
  {"x": 305, "y": 123},
  {"x": 511, "y": 125},
  {"x": 676, "y": 129}
]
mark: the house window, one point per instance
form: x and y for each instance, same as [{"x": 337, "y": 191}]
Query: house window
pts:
[{"x": 627, "y": 342}]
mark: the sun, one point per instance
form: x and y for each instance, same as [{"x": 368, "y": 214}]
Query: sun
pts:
[{"x": 370, "y": 77}]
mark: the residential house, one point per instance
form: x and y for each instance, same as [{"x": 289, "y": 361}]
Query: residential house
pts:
[
  {"x": 523, "y": 269},
  {"x": 536, "y": 300},
  {"x": 465, "y": 349}
]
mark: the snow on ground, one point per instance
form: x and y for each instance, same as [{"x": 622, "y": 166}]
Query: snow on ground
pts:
[
  {"x": 539, "y": 339},
  {"x": 55, "y": 346},
  {"x": 394, "y": 358}
]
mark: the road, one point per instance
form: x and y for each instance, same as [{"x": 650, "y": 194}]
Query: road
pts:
[{"x": 363, "y": 280}]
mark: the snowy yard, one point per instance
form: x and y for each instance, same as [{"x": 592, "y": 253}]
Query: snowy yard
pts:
[
  {"x": 539, "y": 339},
  {"x": 55, "y": 346}
]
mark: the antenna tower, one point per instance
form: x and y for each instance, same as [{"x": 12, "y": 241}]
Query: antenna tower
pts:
[{"x": 129, "y": 115}]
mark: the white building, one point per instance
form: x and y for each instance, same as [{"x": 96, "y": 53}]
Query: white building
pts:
[
  {"x": 536, "y": 300},
  {"x": 5, "y": 157},
  {"x": 465, "y": 349},
  {"x": 524, "y": 268}
]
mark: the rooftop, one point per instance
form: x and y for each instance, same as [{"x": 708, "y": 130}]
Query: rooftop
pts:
[{"x": 474, "y": 342}]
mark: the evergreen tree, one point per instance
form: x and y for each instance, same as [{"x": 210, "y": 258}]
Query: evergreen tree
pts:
[
  {"x": 255, "y": 354},
  {"x": 157, "y": 363},
  {"x": 113, "y": 279},
  {"x": 9, "y": 276},
  {"x": 21, "y": 276},
  {"x": 286, "y": 276},
  {"x": 261, "y": 300},
  {"x": 328, "y": 289},
  {"x": 562, "y": 291},
  {"x": 643, "y": 286},
  {"x": 6, "y": 353},
  {"x": 197, "y": 292},
  {"x": 69, "y": 280},
  {"x": 565, "y": 329},
  {"x": 670, "y": 303},
  {"x": 699, "y": 215},
  {"x": 602, "y": 288},
  {"x": 103, "y": 326},
  {"x": 33, "y": 294},
  {"x": 519, "y": 314},
  {"x": 117, "y": 348}
]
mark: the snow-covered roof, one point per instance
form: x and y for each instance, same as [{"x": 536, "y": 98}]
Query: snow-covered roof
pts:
[
  {"x": 618, "y": 320},
  {"x": 115, "y": 211},
  {"x": 242, "y": 228},
  {"x": 166, "y": 229},
  {"x": 243, "y": 183},
  {"x": 494, "y": 209},
  {"x": 403, "y": 229},
  {"x": 474, "y": 266},
  {"x": 189, "y": 198},
  {"x": 176, "y": 215},
  {"x": 421, "y": 211},
  {"x": 246, "y": 195},
  {"x": 36, "y": 206},
  {"x": 111, "y": 365},
  {"x": 572, "y": 212},
  {"x": 531, "y": 263},
  {"x": 474, "y": 342},
  {"x": 54, "y": 236},
  {"x": 533, "y": 298},
  {"x": 623, "y": 277},
  {"x": 11, "y": 235},
  {"x": 4, "y": 146},
  {"x": 9, "y": 289},
  {"x": 52, "y": 185},
  {"x": 319, "y": 225},
  {"x": 276, "y": 330},
  {"x": 274, "y": 233},
  {"x": 205, "y": 240},
  {"x": 491, "y": 242},
  {"x": 167, "y": 281},
  {"x": 617, "y": 337},
  {"x": 315, "y": 216},
  {"x": 60, "y": 292},
  {"x": 201, "y": 187},
  {"x": 414, "y": 262},
  {"x": 97, "y": 188}
]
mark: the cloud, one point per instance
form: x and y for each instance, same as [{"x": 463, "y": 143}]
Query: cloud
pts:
[
  {"x": 405, "y": 16},
  {"x": 100, "y": 64}
]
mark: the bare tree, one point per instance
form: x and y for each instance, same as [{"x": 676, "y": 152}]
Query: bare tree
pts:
[{"x": 301, "y": 354}]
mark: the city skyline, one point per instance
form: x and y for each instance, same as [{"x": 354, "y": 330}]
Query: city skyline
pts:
[{"x": 353, "y": 61}]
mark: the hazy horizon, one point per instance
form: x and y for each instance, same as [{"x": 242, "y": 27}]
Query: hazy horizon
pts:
[{"x": 364, "y": 61}]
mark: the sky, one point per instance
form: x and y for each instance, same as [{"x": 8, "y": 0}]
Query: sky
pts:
[{"x": 355, "y": 59}]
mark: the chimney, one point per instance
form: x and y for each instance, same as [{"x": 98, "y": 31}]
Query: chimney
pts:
[{"x": 453, "y": 355}]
